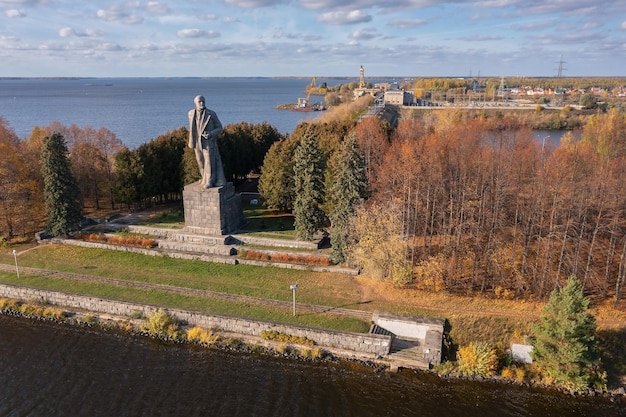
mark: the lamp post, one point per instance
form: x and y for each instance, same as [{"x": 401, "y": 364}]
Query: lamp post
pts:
[
  {"x": 293, "y": 288},
  {"x": 16, "y": 267}
]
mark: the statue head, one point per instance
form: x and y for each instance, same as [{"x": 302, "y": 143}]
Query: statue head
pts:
[{"x": 199, "y": 101}]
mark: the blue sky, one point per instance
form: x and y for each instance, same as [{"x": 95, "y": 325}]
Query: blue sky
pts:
[{"x": 214, "y": 38}]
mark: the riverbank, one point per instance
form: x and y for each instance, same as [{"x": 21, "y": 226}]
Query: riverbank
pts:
[
  {"x": 225, "y": 333},
  {"x": 246, "y": 344},
  {"x": 190, "y": 284}
]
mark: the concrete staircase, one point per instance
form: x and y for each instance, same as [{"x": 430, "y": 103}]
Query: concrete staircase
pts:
[
  {"x": 199, "y": 244},
  {"x": 404, "y": 352}
]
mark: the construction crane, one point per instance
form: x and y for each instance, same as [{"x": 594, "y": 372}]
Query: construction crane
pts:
[{"x": 302, "y": 102}]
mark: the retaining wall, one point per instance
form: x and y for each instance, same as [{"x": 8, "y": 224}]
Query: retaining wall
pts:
[{"x": 370, "y": 344}]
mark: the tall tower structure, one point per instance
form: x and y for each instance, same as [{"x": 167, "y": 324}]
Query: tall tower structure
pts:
[
  {"x": 361, "y": 77},
  {"x": 559, "y": 82},
  {"x": 501, "y": 89},
  {"x": 560, "y": 70}
]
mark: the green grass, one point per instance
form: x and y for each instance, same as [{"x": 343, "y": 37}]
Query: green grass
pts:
[
  {"x": 208, "y": 305},
  {"x": 265, "y": 282},
  {"x": 264, "y": 222}
]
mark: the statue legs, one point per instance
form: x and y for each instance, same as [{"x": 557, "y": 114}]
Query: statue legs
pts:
[{"x": 210, "y": 165}]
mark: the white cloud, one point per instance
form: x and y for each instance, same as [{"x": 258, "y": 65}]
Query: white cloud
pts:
[
  {"x": 157, "y": 7},
  {"x": 111, "y": 15},
  {"x": 15, "y": 13},
  {"x": 406, "y": 23},
  {"x": 480, "y": 38},
  {"x": 251, "y": 4},
  {"x": 208, "y": 16},
  {"x": 68, "y": 32},
  {"x": 115, "y": 14},
  {"x": 344, "y": 18},
  {"x": 197, "y": 33},
  {"x": 364, "y": 34},
  {"x": 623, "y": 25}
]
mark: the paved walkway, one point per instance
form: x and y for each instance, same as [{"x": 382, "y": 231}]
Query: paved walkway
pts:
[{"x": 192, "y": 292}]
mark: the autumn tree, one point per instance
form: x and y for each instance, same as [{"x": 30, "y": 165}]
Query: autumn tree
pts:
[
  {"x": 377, "y": 243},
  {"x": 16, "y": 185},
  {"x": 347, "y": 189},
  {"x": 309, "y": 187},
  {"x": 565, "y": 347},
  {"x": 61, "y": 194},
  {"x": 92, "y": 153},
  {"x": 373, "y": 140}
]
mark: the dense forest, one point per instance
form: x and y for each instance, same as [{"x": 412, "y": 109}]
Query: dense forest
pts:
[{"x": 479, "y": 204}]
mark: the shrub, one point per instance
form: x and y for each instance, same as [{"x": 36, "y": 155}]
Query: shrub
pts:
[
  {"x": 53, "y": 313},
  {"x": 504, "y": 293},
  {"x": 124, "y": 239},
  {"x": 313, "y": 353},
  {"x": 479, "y": 359},
  {"x": 284, "y": 349},
  {"x": 508, "y": 373},
  {"x": 286, "y": 338},
  {"x": 89, "y": 319},
  {"x": 514, "y": 372},
  {"x": 202, "y": 336},
  {"x": 162, "y": 323},
  {"x": 9, "y": 304},
  {"x": 284, "y": 258},
  {"x": 126, "y": 326}
]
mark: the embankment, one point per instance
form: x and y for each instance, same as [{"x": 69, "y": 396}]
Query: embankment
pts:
[{"x": 345, "y": 344}]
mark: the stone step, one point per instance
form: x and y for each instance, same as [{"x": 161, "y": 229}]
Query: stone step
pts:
[
  {"x": 171, "y": 245},
  {"x": 199, "y": 239},
  {"x": 376, "y": 329}
]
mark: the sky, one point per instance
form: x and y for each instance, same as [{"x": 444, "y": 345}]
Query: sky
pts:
[{"x": 322, "y": 38}]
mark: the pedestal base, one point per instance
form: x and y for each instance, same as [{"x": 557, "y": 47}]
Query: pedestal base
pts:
[{"x": 213, "y": 211}]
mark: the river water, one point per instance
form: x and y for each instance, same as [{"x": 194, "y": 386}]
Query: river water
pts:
[
  {"x": 138, "y": 110},
  {"x": 47, "y": 369}
]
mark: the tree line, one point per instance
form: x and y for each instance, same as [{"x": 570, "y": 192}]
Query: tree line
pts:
[
  {"x": 108, "y": 174},
  {"x": 463, "y": 204}
]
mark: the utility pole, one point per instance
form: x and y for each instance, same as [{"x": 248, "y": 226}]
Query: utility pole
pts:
[
  {"x": 17, "y": 269},
  {"x": 293, "y": 288}
]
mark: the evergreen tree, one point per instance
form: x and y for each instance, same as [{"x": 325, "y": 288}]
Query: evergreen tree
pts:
[
  {"x": 276, "y": 184},
  {"x": 61, "y": 194},
  {"x": 309, "y": 187},
  {"x": 347, "y": 189},
  {"x": 129, "y": 171},
  {"x": 564, "y": 346}
]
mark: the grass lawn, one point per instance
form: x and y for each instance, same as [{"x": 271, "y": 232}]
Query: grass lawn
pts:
[
  {"x": 166, "y": 299},
  {"x": 471, "y": 318}
]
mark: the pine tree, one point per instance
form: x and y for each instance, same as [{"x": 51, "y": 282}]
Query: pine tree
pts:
[
  {"x": 348, "y": 188},
  {"x": 309, "y": 187},
  {"x": 61, "y": 194},
  {"x": 564, "y": 346}
]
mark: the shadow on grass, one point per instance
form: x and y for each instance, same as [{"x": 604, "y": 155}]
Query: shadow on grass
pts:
[{"x": 612, "y": 342}]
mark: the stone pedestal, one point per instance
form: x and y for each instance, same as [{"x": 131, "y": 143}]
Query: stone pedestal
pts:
[{"x": 213, "y": 211}]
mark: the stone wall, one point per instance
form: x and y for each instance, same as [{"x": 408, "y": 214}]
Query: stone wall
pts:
[{"x": 372, "y": 345}]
